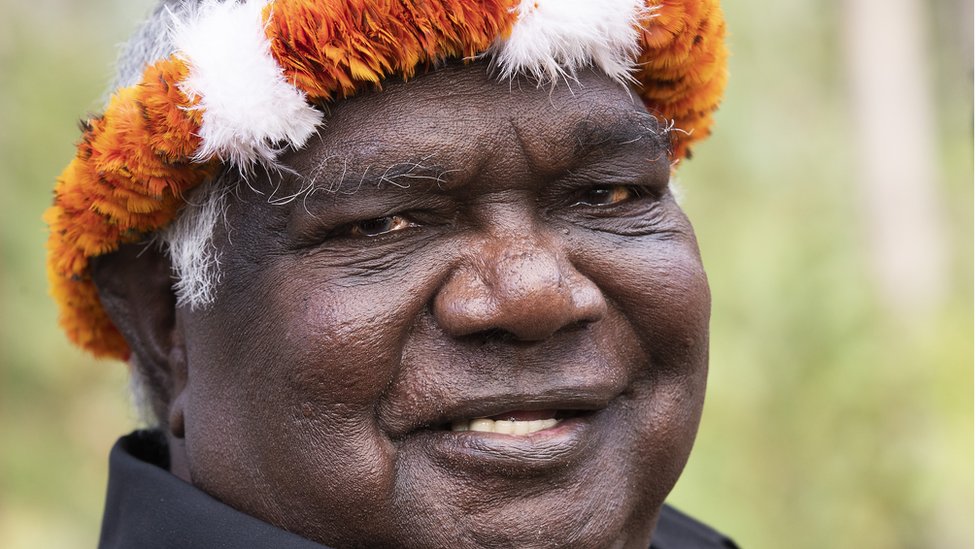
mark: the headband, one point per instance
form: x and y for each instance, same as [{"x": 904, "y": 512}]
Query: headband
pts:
[{"x": 187, "y": 117}]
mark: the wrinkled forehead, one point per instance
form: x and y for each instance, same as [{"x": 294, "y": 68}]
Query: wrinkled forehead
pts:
[{"x": 456, "y": 118}]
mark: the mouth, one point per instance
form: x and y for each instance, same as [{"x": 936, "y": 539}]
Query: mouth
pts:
[
  {"x": 514, "y": 423},
  {"x": 515, "y": 443},
  {"x": 511, "y": 414},
  {"x": 513, "y": 433}
]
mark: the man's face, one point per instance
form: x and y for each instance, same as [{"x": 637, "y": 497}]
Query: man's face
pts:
[{"x": 468, "y": 249}]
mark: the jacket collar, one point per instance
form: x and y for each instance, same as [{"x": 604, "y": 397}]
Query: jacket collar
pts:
[{"x": 149, "y": 508}]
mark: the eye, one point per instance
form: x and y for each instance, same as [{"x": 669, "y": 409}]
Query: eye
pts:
[
  {"x": 379, "y": 226},
  {"x": 606, "y": 195}
]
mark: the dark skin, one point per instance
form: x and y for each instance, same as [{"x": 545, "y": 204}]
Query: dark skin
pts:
[{"x": 471, "y": 249}]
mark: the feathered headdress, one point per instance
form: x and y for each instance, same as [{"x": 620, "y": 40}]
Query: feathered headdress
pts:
[{"x": 241, "y": 84}]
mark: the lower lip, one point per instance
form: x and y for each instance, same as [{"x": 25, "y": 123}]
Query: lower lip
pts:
[{"x": 512, "y": 455}]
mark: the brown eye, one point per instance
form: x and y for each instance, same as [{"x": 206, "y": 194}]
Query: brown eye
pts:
[
  {"x": 380, "y": 226},
  {"x": 606, "y": 195}
]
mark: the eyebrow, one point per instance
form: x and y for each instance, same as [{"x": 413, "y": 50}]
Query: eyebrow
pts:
[
  {"x": 338, "y": 176},
  {"x": 595, "y": 134}
]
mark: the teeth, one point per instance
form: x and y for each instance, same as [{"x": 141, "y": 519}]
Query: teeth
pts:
[
  {"x": 505, "y": 427},
  {"x": 481, "y": 425}
]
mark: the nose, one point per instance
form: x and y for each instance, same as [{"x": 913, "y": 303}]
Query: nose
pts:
[{"x": 522, "y": 287}]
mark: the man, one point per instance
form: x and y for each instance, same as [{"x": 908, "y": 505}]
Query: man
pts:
[{"x": 420, "y": 279}]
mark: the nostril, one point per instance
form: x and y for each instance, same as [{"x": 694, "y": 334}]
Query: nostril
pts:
[
  {"x": 494, "y": 335},
  {"x": 581, "y": 324}
]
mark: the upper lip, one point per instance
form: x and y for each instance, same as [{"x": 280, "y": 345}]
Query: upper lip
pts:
[{"x": 569, "y": 397}]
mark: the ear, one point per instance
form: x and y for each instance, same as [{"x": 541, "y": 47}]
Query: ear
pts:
[{"x": 135, "y": 286}]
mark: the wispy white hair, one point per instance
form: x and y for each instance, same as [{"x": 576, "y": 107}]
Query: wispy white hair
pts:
[
  {"x": 150, "y": 43},
  {"x": 189, "y": 240}
]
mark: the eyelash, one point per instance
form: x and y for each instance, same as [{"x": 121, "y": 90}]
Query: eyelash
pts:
[
  {"x": 355, "y": 230},
  {"x": 629, "y": 192}
]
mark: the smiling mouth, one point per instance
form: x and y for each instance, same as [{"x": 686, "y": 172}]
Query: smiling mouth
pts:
[
  {"x": 522, "y": 441},
  {"x": 515, "y": 423}
]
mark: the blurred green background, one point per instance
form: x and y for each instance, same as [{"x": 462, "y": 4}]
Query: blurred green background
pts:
[{"x": 834, "y": 206}]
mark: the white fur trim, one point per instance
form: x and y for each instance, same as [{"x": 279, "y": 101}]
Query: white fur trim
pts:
[
  {"x": 250, "y": 111},
  {"x": 553, "y": 39}
]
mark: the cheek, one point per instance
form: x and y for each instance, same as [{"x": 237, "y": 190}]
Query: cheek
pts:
[
  {"x": 293, "y": 407},
  {"x": 345, "y": 345},
  {"x": 664, "y": 293},
  {"x": 661, "y": 289},
  {"x": 291, "y": 331}
]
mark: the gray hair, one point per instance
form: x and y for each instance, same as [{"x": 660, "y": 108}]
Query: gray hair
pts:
[
  {"x": 150, "y": 43},
  {"x": 189, "y": 239}
]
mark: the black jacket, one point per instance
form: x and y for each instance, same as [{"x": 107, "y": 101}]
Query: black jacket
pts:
[{"x": 149, "y": 508}]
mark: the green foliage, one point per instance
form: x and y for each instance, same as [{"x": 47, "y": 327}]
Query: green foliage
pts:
[{"x": 832, "y": 418}]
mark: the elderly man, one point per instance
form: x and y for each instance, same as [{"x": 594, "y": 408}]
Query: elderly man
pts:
[{"x": 398, "y": 274}]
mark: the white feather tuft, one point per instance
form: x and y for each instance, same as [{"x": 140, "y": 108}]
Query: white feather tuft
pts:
[
  {"x": 553, "y": 39},
  {"x": 250, "y": 111}
]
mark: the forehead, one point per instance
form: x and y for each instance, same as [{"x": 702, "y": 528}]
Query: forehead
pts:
[{"x": 460, "y": 118}]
